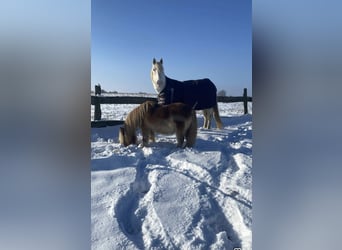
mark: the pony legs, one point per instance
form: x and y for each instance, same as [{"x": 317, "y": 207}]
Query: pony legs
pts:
[
  {"x": 180, "y": 133},
  {"x": 191, "y": 133},
  {"x": 148, "y": 135}
]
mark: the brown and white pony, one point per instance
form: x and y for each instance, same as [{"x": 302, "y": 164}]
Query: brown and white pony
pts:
[
  {"x": 199, "y": 94},
  {"x": 152, "y": 118}
]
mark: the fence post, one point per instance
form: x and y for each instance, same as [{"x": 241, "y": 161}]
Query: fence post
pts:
[
  {"x": 98, "y": 89},
  {"x": 97, "y": 108},
  {"x": 245, "y": 101}
]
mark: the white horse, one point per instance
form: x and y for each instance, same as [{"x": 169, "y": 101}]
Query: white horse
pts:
[{"x": 199, "y": 94}]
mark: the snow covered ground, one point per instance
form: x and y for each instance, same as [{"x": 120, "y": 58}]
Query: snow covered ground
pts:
[{"x": 163, "y": 197}]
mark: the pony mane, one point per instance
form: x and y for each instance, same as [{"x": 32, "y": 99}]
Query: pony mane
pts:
[{"x": 136, "y": 117}]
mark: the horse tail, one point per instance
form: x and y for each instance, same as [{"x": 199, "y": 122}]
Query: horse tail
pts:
[
  {"x": 217, "y": 117},
  {"x": 191, "y": 132}
]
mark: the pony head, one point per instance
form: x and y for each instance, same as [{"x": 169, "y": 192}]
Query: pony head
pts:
[
  {"x": 126, "y": 138},
  {"x": 157, "y": 75}
]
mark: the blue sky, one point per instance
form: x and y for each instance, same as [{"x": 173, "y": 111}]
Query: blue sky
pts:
[{"x": 196, "y": 39}]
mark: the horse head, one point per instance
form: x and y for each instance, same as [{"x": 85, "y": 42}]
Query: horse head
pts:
[{"x": 158, "y": 75}]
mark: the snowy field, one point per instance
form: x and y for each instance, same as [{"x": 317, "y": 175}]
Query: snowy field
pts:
[{"x": 163, "y": 197}]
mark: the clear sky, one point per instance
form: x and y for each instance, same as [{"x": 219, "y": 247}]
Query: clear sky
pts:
[{"x": 196, "y": 39}]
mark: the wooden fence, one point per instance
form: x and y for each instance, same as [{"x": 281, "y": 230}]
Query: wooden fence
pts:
[{"x": 97, "y": 100}]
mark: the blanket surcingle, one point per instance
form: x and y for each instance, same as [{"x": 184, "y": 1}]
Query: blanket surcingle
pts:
[{"x": 198, "y": 94}]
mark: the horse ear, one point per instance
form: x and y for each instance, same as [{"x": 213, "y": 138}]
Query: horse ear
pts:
[
  {"x": 161, "y": 60},
  {"x": 154, "y": 61}
]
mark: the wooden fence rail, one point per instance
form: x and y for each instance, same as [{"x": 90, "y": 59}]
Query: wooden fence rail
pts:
[{"x": 97, "y": 100}]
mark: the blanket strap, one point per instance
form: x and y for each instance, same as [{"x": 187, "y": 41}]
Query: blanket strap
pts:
[
  {"x": 193, "y": 107},
  {"x": 172, "y": 92}
]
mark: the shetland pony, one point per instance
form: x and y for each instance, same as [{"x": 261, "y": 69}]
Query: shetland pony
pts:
[
  {"x": 152, "y": 118},
  {"x": 198, "y": 94}
]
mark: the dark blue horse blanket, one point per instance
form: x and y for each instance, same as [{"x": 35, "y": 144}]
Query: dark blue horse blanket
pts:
[{"x": 198, "y": 94}]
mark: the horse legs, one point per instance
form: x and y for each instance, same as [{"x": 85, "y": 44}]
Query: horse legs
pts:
[
  {"x": 208, "y": 114},
  {"x": 217, "y": 117}
]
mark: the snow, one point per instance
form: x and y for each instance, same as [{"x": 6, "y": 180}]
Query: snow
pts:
[{"x": 164, "y": 197}]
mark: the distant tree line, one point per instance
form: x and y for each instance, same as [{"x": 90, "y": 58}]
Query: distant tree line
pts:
[
  {"x": 221, "y": 93},
  {"x": 110, "y": 92},
  {"x": 97, "y": 86}
]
